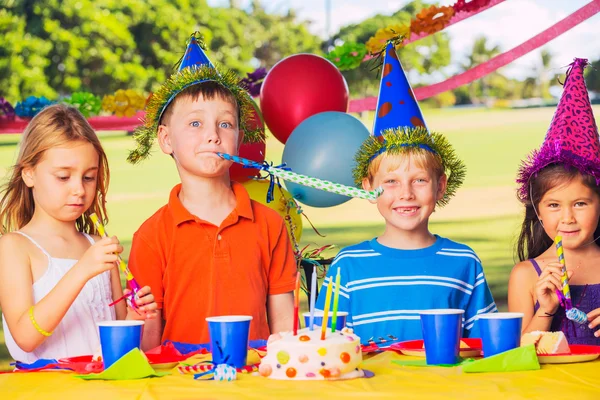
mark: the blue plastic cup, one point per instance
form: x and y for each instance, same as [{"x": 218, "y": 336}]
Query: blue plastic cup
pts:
[
  {"x": 229, "y": 339},
  {"x": 118, "y": 338},
  {"x": 441, "y": 335},
  {"x": 339, "y": 324},
  {"x": 500, "y": 332}
]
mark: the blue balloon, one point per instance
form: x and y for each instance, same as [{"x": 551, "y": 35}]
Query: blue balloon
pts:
[{"x": 323, "y": 146}]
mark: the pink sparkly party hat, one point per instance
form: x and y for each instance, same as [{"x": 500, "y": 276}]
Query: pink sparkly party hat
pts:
[{"x": 572, "y": 139}]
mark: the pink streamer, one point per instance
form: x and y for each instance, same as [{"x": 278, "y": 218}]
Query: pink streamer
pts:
[{"x": 481, "y": 70}]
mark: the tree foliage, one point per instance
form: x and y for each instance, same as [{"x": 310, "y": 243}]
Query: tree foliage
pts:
[
  {"x": 56, "y": 47},
  {"x": 53, "y": 48},
  {"x": 592, "y": 76}
]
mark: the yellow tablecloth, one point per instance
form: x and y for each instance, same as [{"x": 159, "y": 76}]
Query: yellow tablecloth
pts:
[{"x": 560, "y": 382}]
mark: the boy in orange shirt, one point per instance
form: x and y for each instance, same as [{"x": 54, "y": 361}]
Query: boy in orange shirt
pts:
[{"x": 211, "y": 250}]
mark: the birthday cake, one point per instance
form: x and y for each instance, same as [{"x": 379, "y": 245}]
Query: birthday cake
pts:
[
  {"x": 306, "y": 357},
  {"x": 547, "y": 342}
]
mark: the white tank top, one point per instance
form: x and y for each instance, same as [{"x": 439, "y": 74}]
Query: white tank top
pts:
[{"x": 77, "y": 333}]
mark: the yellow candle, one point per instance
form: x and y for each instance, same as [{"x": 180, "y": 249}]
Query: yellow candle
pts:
[{"x": 326, "y": 309}]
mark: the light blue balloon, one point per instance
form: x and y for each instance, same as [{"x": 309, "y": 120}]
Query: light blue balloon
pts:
[{"x": 323, "y": 146}]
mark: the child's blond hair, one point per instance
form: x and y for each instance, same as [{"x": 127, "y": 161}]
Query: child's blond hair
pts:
[
  {"x": 54, "y": 126},
  {"x": 422, "y": 158}
]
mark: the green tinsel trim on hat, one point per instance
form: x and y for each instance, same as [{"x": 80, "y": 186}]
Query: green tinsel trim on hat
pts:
[
  {"x": 145, "y": 134},
  {"x": 401, "y": 140}
]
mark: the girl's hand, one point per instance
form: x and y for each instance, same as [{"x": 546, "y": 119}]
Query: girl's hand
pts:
[
  {"x": 594, "y": 320},
  {"x": 100, "y": 257},
  {"x": 146, "y": 305},
  {"x": 547, "y": 285}
]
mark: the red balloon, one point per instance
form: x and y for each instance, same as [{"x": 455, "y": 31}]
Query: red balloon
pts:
[
  {"x": 253, "y": 151},
  {"x": 298, "y": 87}
]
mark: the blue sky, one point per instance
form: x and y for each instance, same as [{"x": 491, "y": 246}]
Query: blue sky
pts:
[{"x": 507, "y": 25}]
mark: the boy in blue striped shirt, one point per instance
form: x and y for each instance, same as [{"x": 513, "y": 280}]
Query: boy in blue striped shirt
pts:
[{"x": 387, "y": 281}]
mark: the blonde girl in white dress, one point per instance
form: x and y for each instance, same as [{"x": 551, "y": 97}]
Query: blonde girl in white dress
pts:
[{"x": 57, "y": 277}]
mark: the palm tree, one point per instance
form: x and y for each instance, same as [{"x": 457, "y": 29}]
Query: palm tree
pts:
[
  {"x": 480, "y": 53},
  {"x": 538, "y": 85},
  {"x": 546, "y": 60},
  {"x": 529, "y": 88}
]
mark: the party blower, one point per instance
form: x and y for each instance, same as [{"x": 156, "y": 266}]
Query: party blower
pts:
[
  {"x": 564, "y": 294},
  {"x": 315, "y": 183},
  {"x": 128, "y": 275}
]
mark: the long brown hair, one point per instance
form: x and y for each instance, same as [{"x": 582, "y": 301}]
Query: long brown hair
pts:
[
  {"x": 54, "y": 126},
  {"x": 533, "y": 239}
]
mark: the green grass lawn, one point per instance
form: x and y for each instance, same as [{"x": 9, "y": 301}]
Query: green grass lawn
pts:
[{"x": 491, "y": 142}]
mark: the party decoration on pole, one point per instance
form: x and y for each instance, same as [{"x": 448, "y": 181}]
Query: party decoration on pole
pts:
[
  {"x": 298, "y": 87},
  {"x": 323, "y": 146},
  {"x": 314, "y": 265},
  {"x": 564, "y": 294},
  {"x": 135, "y": 287},
  {"x": 307, "y": 180}
]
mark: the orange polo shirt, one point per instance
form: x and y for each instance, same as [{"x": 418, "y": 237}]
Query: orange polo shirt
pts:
[{"x": 198, "y": 270}]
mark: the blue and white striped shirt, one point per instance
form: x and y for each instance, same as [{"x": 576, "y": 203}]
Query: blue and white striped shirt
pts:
[{"x": 384, "y": 289}]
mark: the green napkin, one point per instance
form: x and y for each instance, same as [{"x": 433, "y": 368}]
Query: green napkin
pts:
[
  {"x": 519, "y": 359},
  {"x": 423, "y": 363},
  {"x": 132, "y": 365}
]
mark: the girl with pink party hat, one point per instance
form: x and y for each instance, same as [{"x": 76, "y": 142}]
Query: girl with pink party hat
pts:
[{"x": 559, "y": 185}]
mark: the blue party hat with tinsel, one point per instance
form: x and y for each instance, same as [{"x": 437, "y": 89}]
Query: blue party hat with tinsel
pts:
[
  {"x": 194, "y": 68},
  {"x": 396, "y": 106},
  {"x": 400, "y": 128},
  {"x": 194, "y": 54}
]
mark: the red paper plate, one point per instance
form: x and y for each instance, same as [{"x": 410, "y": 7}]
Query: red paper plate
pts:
[
  {"x": 579, "y": 353},
  {"x": 415, "y": 348}
]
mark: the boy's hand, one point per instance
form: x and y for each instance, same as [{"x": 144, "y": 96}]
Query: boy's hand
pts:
[
  {"x": 594, "y": 320},
  {"x": 547, "y": 285},
  {"x": 145, "y": 303},
  {"x": 100, "y": 257}
]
